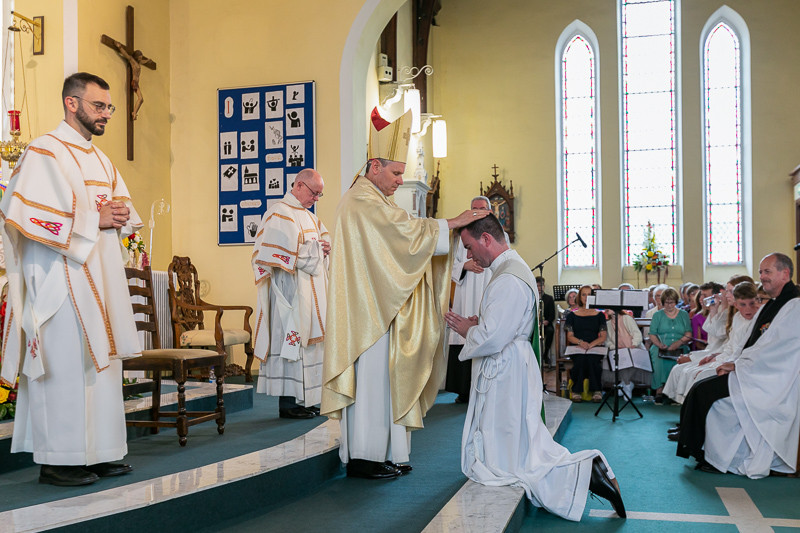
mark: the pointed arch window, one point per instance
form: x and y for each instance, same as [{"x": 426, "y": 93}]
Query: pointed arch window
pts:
[
  {"x": 649, "y": 124},
  {"x": 724, "y": 168},
  {"x": 578, "y": 138}
]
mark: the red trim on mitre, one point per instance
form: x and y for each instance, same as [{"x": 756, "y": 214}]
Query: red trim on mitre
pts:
[{"x": 377, "y": 120}]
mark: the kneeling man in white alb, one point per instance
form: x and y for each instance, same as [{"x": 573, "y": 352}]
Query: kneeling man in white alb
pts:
[{"x": 505, "y": 441}]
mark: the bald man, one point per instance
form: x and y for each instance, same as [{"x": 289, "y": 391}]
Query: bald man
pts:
[{"x": 290, "y": 264}]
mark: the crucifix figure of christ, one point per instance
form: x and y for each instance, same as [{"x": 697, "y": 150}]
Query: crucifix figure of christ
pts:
[{"x": 134, "y": 60}]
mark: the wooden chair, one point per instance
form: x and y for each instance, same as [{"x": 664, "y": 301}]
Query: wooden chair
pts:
[
  {"x": 188, "y": 314},
  {"x": 563, "y": 362},
  {"x": 177, "y": 361}
]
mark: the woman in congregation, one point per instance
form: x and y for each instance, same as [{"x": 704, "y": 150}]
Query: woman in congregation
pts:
[
  {"x": 670, "y": 335},
  {"x": 572, "y": 300},
  {"x": 586, "y": 337},
  {"x": 699, "y": 315}
]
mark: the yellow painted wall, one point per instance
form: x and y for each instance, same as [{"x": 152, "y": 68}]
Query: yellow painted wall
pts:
[
  {"x": 244, "y": 43},
  {"x": 147, "y": 176},
  {"x": 40, "y": 76},
  {"x": 495, "y": 85}
]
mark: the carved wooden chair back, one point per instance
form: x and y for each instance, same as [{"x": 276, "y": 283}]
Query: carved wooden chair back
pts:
[{"x": 184, "y": 285}]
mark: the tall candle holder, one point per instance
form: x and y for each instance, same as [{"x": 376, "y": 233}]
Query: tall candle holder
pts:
[{"x": 12, "y": 149}]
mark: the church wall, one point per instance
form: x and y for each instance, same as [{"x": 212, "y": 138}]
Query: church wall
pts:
[
  {"x": 147, "y": 176},
  {"x": 495, "y": 85},
  {"x": 241, "y": 43}
]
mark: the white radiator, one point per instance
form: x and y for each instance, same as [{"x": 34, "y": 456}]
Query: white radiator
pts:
[{"x": 161, "y": 300}]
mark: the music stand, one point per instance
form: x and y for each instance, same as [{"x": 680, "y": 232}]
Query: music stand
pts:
[
  {"x": 560, "y": 291},
  {"x": 617, "y": 301}
]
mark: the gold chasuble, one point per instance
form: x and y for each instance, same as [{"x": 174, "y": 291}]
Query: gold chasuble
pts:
[{"x": 384, "y": 277}]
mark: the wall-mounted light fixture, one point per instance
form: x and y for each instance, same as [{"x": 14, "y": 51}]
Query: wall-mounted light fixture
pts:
[{"x": 33, "y": 26}]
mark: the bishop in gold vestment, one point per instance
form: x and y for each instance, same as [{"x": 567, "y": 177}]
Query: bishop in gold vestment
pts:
[{"x": 388, "y": 291}]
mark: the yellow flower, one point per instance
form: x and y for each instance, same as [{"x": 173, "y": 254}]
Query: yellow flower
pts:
[
  {"x": 649, "y": 267},
  {"x": 3, "y": 394},
  {"x": 125, "y": 242},
  {"x": 650, "y": 253}
]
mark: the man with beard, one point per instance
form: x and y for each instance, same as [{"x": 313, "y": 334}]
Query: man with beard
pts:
[
  {"x": 63, "y": 216},
  {"x": 745, "y": 420}
]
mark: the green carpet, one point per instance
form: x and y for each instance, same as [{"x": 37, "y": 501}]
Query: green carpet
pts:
[
  {"x": 404, "y": 504},
  {"x": 652, "y": 479},
  {"x": 245, "y": 432}
]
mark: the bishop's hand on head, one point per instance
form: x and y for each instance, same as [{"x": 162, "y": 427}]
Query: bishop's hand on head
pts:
[{"x": 467, "y": 217}]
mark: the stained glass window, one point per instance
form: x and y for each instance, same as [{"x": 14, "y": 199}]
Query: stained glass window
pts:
[
  {"x": 649, "y": 124},
  {"x": 578, "y": 126},
  {"x": 722, "y": 144}
]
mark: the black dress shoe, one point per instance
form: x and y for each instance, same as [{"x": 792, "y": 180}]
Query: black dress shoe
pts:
[
  {"x": 371, "y": 470},
  {"x": 66, "y": 476},
  {"x": 109, "y": 469},
  {"x": 314, "y": 409},
  {"x": 707, "y": 468},
  {"x": 674, "y": 429},
  {"x": 674, "y": 436},
  {"x": 462, "y": 399},
  {"x": 296, "y": 413},
  {"x": 404, "y": 469},
  {"x": 601, "y": 485}
]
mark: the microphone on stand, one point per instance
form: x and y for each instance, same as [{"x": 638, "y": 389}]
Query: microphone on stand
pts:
[{"x": 579, "y": 238}]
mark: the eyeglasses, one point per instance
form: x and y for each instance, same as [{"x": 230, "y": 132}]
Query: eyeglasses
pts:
[
  {"x": 99, "y": 106},
  {"x": 312, "y": 191}
]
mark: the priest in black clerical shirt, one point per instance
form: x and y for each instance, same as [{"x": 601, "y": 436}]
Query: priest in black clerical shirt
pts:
[{"x": 775, "y": 272}]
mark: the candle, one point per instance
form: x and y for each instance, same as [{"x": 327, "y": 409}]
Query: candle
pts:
[{"x": 13, "y": 117}]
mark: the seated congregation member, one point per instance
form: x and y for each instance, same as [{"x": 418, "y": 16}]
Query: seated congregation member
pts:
[
  {"x": 658, "y": 290},
  {"x": 691, "y": 303},
  {"x": 699, "y": 335},
  {"x": 702, "y": 364},
  {"x": 586, "y": 338},
  {"x": 670, "y": 333},
  {"x": 745, "y": 420},
  {"x": 505, "y": 441},
  {"x": 716, "y": 323},
  {"x": 571, "y": 298},
  {"x": 634, "y": 360},
  {"x": 549, "y": 314}
]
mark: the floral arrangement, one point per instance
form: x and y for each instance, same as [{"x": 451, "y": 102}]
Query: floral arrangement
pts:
[
  {"x": 8, "y": 401},
  {"x": 134, "y": 243},
  {"x": 651, "y": 258}
]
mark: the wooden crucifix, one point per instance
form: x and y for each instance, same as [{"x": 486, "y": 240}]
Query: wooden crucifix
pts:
[{"x": 134, "y": 61}]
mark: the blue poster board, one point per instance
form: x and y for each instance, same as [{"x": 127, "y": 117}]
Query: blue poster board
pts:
[{"x": 266, "y": 136}]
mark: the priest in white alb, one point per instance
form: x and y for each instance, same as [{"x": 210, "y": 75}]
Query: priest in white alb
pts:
[
  {"x": 70, "y": 322},
  {"x": 290, "y": 264},
  {"x": 505, "y": 441},
  {"x": 389, "y": 287}
]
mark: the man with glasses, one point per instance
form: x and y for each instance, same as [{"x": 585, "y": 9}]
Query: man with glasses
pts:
[
  {"x": 290, "y": 264},
  {"x": 64, "y": 213}
]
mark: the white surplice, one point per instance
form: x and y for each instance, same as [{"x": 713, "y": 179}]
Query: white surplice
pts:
[
  {"x": 683, "y": 377},
  {"x": 70, "y": 318},
  {"x": 367, "y": 427},
  {"x": 505, "y": 441},
  {"x": 756, "y": 429},
  {"x": 292, "y": 281},
  {"x": 469, "y": 288}
]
